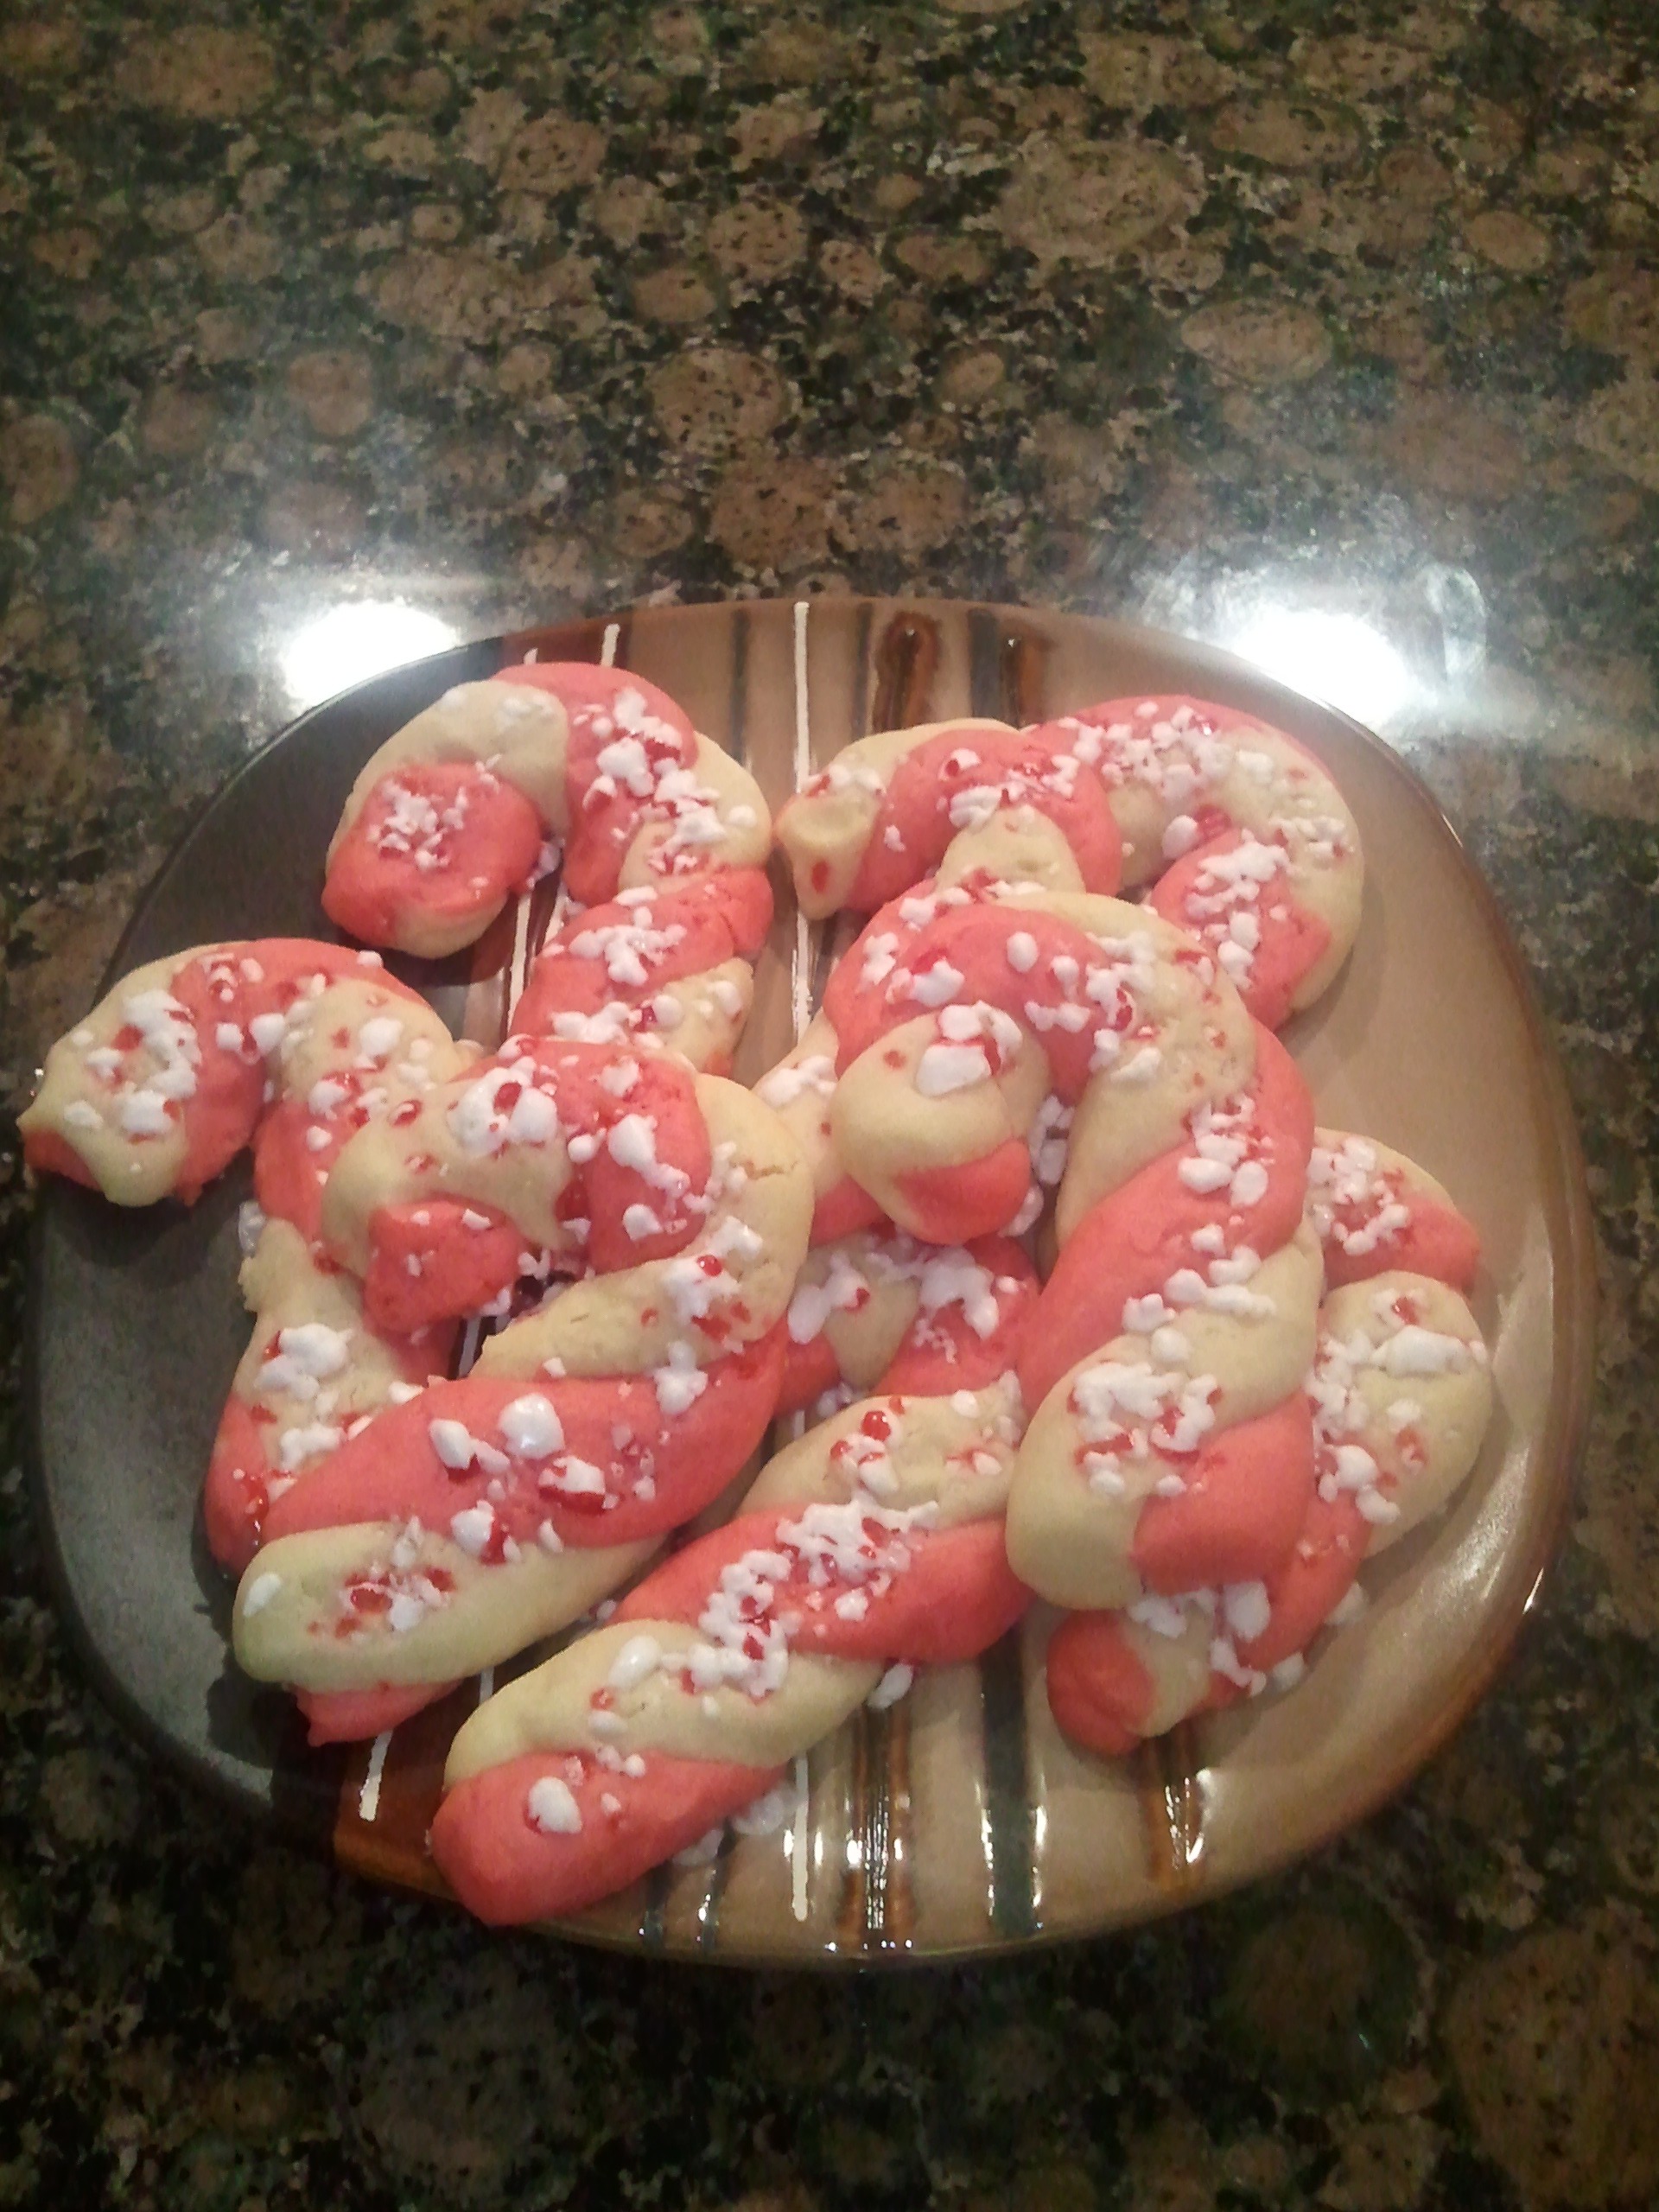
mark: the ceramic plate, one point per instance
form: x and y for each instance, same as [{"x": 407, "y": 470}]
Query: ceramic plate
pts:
[{"x": 959, "y": 1821}]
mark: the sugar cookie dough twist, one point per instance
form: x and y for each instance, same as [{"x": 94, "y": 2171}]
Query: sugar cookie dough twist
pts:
[
  {"x": 527, "y": 1490},
  {"x": 666, "y": 969},
  {"x": 548, "y": 1156},
  {"x": 1372, "y": 1206},
  {"x": 408, "y": 1183},
  {"x": 799, "y": 1091},
  {"x": 987, "y": 1020},
  {"x": 1400, "y": 1394},
  {"x": 1242, "y": 835},
  {"x": 456, "y": 1527},
  {"x": 314, "y": 1370},
  {"x": 870, "y": 1547},
  {"x": 878, "y": 1311},
  {"x": 1170, "y": 1443},
  {"x": 454, "y": 814},
  {"x": 287, "y": 1043}
]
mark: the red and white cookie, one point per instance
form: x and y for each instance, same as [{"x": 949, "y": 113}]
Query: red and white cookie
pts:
[
  {"x": 871, "y": 1547},
  {"x": 1242, "y": 835},
  {"x": 453, "y": 813},
  {"x": 1004, "y": 1019},
  {"x": 799, "y": 1091},
  {"x": 453, "y": 1529},
  {"x": 677, "y": 1195},
  {"x": 618, "y": 1408},
  {"x": 544, "y": 1156},
  {"x": 1372, "y": 1207},
  {"x": 1399, "y": 1393},
  {"x": 877, "y": 1311},
  {"x": 664, "y": 969},
  {"x": 282, "y": 1040},
  {"x": 1180, "y": 1453}
]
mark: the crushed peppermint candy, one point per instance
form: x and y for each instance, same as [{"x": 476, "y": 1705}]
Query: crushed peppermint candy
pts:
[
  {"x": 531, "y": 1427},
  {"x": 976, "y": 1040},
  {"x": 302, "y": 1358},
  {"x": 844, "y": 1290},
  {"x": 550, "y": 1806},
  {"x": 1126, "y": 1414},
  {"x": 459, "y": 1449},
  {"x": 259, "y": 1593},
  {"x": 416, "y": 827},
  {"x": 503, "y": 1107},
  {"x": 639, "y": 1659},
  {"x": 1226, "y": 1153},
  {"x": 1352, "y": 1199},
  {"x": 680, "y": 1383},
  {"x": 859, "y": 1544},
  {"x": 892, "y": 1686},
  {"x": 1221, "y": 904},
  {"x": 817, "y": 1073}
]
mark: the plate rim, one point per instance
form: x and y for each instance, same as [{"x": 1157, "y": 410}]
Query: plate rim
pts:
[{"x": 1559, "y": 1451}]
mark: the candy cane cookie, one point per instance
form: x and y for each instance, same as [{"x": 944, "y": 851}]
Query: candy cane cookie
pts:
[
  {"x": 548, "y": 1157},
  {"x": 1399, "y": 1394},
  {"x": 1010, "y": 1016},
  {"x": 802, "y": 1086},
  {"x": 1171, "y": 1445},
  {"x": 869, "y": 1547},
  {"x": 453, "y": 1529},
  {"x": 453, "y": 813},
  {"x": 1180, "y": 1453},
  {"x": 1369, "y": 1205},
  {"x": 799, "y": 1090},
  {"x": 284, "y": 1041},
  {"x": 591, "y": 1426},
  {"x": 1240, "y": 835},
  {"x": 666, "y": 968}
]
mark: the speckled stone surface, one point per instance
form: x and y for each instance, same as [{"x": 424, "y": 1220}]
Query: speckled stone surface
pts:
[{"x": 1329, "y": 330}]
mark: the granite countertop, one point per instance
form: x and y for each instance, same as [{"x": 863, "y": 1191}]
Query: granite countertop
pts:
[{"x": 1331, "y": 330}]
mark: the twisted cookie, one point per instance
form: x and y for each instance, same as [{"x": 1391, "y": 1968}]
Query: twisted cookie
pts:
[
  {"x": 406, "y": 1183},
  {"x": 1242, "y": 835},
  {"x": 663, "y": 968},
  {"x": 1170, "y": 1443},
  {"x": 879, "y": 1312},
  {"x": 314, "y": 1370},
  {"x": 283, "y": 1041},
  {"x": 451, "y": 815},
  {"x": 1001, "y": 1020},
  {"x": 1398, "y": 1393},
  {"x": 528, "y": 1489},
  {"x": 872, "y": 1546},
  {"x": 457, "y": 1528}
]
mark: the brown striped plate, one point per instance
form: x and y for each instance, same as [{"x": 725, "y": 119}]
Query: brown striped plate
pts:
[{"x": 959, "y": 1821}]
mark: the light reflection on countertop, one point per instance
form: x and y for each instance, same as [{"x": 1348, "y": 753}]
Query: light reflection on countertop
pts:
[
  {"x": 354, "y": 639},
  {"x": 1401, "y": 645}
]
